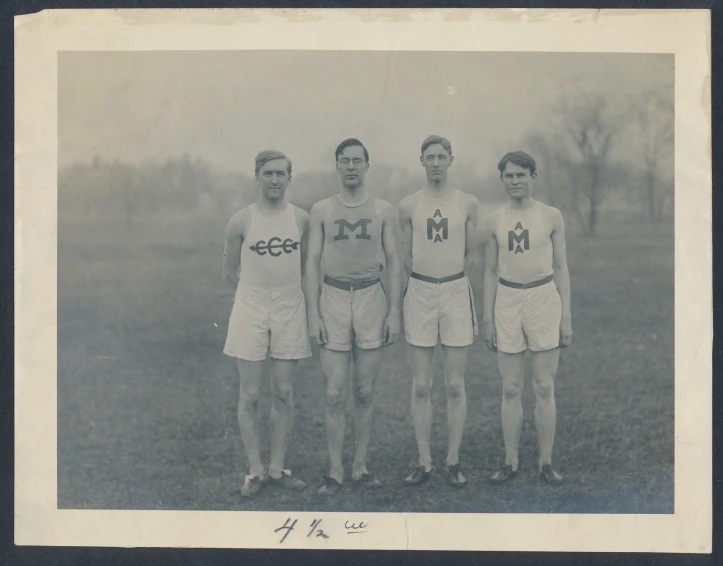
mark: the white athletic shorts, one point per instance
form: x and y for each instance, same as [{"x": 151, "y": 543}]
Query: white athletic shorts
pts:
[
  {"x": 268, "y": 321},
  {"x": 355, "y": 316},
  {"x": 439, "y": 313},
  {"x": 528, "y": 318}
]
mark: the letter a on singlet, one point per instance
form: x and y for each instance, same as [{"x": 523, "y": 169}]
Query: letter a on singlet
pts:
[{"x": 434, "y": 227}]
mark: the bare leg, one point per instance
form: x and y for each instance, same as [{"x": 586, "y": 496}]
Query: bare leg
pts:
[
  {"x": 421, "y": 362},
  {"x": 512, "y": 370},
  {"x": 248, "y": 412},
  {"x": 282, "y": 412},
  {"x": 455, "y": 363},
  {"x": 366, "y": 371},
  {"x": 544, "y": 369},
  {"x": 335, "y": 367}
]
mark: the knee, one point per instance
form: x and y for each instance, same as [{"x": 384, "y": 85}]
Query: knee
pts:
[
  {"x": 335, "y": 399},
  {"x": 249, "y": 399},
  {"x": 544, "y": 388},
  {"x": 283, "y": 396},
  {"x": 363, "y": 395},
  {"x": 455, "y": 389},
  {"x": 421, "y": 390},
  {"x": 511, "y": 389}
]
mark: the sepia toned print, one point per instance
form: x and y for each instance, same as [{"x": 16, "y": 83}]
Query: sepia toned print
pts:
[{"x": 440, "y": 288}]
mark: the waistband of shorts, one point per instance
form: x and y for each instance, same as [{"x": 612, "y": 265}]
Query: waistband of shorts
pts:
[
  {"x": 347, "y": 286},
  {"x": 438, "y": 280},
  {"x": 537, "y": 283}
]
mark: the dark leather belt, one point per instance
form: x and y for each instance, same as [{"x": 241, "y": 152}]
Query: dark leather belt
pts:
[
  {"x": 345, "y": 286},
  {"x": 436, "y": 279},
  {"x": 525, "y": 285}
]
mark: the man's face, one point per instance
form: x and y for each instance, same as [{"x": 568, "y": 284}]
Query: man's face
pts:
[
  {"x": 517, "y": 181},
  {"x": 436, "y": 160},
  {"x": 352, "y": 166},
  {"x": 273, "y": 178}
]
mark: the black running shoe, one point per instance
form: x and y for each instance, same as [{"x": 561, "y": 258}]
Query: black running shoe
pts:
[
  {"x": 418, "y": 476},
  {"x": 550, "y": 476},
  {"x": 330, "y": 487},
  {"x": 505, "y": 473},
  {"x": 286, "y": 481},
  {"x": 455, "y": 476},
  {"x": 366, "y": 481}
]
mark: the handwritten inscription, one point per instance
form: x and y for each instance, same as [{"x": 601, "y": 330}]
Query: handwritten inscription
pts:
[
  {"x": 286, "y": 527},
  {"x": 319, "y": 533},
  {"x": 315, "y": 530},
  {"x": 354, "y": 529}
]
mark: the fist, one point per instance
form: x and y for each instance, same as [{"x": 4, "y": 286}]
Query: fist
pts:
[{"x": 565, "y": 333}]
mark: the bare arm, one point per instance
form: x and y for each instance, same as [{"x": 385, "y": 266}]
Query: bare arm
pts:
[
  {"x": 302, "y": 221},
  {"x": 314, "y": 247},
  {"x": 235, "y": 230},
  {"x": 562, "y": 275},
  {"x": 392, "y": 324},
  {"x": 405, "y": 223},
  {"x": 471, "y": 235},
  {"x": 489, "y": 287}
]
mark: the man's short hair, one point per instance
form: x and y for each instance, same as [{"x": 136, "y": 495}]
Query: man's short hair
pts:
[
  {"x": 520, "y": 158},
  {"x": 431, "y": 140},
  {"x": 350, "y": 142},
  {"x": 269, "y": 155}
]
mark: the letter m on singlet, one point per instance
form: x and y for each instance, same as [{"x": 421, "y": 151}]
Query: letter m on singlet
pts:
[
  {"x": 434, "y": 227},
  {"x": 344, "y": 224},
  {"x": 523, "y": 238}
]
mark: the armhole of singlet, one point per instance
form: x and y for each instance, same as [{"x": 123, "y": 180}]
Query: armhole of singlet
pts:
[
  {"x": 462, "y": 213},
  {"x": 377, "y": 207},
  {"x": 414, "y": 207},
  {"x": 252, "y": 213},
  {"x": 497, "y": 221},
  {"x": 296, "y": 220}
]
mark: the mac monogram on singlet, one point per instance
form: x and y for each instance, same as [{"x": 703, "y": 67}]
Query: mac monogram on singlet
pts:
[
  {"x": 518, "y": 240},
  {"x": 437, "y": 227}
]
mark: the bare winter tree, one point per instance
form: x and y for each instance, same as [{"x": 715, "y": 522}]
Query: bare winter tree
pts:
[
  {"x": 654, "y": 116},
  {"x": 593, "y": 129}
]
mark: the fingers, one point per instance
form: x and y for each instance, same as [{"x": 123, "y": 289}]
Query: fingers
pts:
[{"x": 322, "y": 333}]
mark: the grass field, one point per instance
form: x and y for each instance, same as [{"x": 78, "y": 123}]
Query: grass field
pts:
[{"x": 147, "y": 402}]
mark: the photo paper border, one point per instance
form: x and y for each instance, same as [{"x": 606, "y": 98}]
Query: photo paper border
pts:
[{"x": 39, "y": 37}]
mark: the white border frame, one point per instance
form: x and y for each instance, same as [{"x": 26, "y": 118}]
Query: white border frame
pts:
[{"x": 39, "y": 37}]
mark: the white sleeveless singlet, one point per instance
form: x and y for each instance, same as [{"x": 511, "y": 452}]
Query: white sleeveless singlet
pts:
[
  {"x": 271, "y": 254},
  {"x": 438, "y": 235},
  {"x": 524, "y": 239}
]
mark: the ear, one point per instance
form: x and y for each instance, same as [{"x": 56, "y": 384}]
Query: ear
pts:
[
  {"x": 421, "y": 160},
  {"x": 451, "y": 159}
]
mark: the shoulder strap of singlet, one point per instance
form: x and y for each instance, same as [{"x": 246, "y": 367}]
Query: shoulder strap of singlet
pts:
[
  {"x": 457, "y": 196},
  {"x": 252, "y": 215}
]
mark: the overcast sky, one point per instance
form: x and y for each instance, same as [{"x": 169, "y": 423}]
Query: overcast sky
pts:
[{"x": 225, "y": 107}]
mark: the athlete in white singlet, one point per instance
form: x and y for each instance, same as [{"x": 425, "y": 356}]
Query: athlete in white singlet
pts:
[
  {"x": 526, "y": 306},
  {"x": 439, "y": 234},
  {"x": 263, "y": 255},
  {"x": 352, "y": 237}
]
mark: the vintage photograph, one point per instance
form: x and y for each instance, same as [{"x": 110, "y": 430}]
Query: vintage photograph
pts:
[{"x": 385, "y": 281}]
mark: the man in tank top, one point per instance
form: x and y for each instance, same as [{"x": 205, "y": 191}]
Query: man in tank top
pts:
[
  {"x": 439, "y": 234},
  {"x": 352, "y": 238},
  {"x": 526, "y": 306},
  {"x": 262, "y": 258}
]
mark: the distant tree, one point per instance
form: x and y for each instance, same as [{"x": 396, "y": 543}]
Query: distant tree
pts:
[
  {"x": 654, "y": 117},
  {"x": 593, "y": 130}
]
